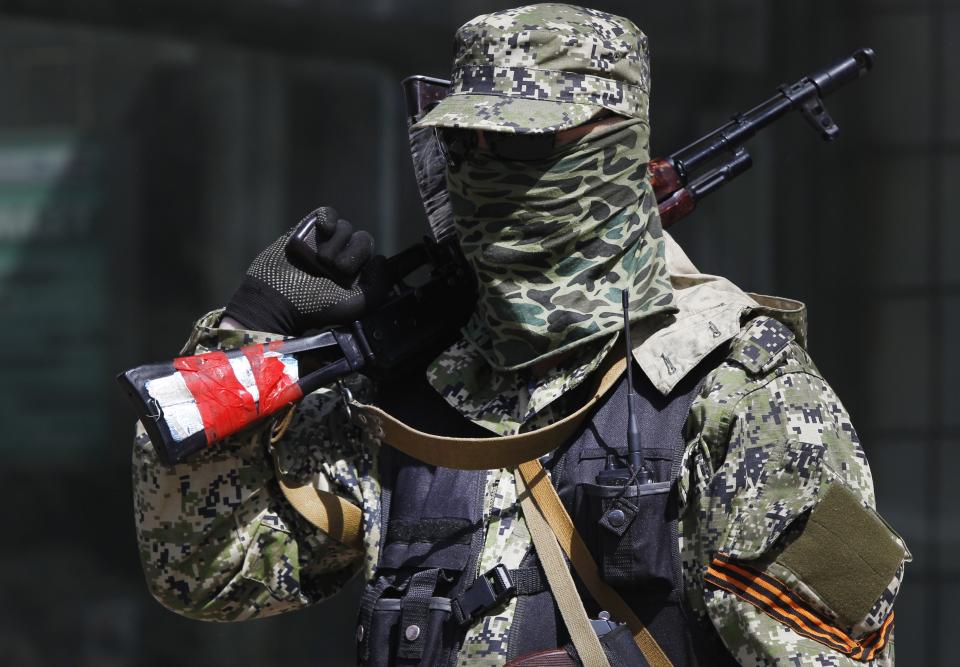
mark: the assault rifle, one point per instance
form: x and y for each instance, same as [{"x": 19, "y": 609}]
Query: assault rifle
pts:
[{"x": 192, "y": 402}]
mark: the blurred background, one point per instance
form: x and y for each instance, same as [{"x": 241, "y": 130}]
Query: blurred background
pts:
[{"x": 149, "y": 149}]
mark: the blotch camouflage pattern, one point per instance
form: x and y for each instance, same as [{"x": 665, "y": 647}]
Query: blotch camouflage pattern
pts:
[
  {"x": 554, "y": 242},
  {"x": 544, "y": 68},
  {"x": 218, "y": 541}
]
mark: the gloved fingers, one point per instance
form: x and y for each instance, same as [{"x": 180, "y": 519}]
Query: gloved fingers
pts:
[
  {"x": 347, "y": 309},
  {"x": 326, "y": 224},
  {"x": 328, "y": 250},
  {"x": 355, "y": 254}
]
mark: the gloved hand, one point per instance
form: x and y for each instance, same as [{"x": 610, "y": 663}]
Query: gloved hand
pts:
[{"x": 344, "y": 281}]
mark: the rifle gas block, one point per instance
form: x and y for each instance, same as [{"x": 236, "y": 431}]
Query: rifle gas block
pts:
[{"x": 675, "y": 179}]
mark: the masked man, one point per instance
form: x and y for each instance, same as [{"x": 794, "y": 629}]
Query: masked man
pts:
[{"x": 749, "y": 537}]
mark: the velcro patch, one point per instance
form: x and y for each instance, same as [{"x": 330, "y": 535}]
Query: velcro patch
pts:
[{"x": 845, "y": 553}]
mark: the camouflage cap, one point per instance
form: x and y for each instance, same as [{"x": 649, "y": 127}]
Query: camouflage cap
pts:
[{"x": 544, "y": 68}]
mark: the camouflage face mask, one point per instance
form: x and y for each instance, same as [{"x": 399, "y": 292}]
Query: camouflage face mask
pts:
[{"x": 553, "y": 243}]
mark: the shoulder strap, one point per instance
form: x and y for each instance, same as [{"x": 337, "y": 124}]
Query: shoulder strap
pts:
[
  {"x": 555, "y": 514},
  {"x": 341, "y": 519},
  {"x": 561, "y": 582},
  {"x": 482, "y": 453},
  {"x": 335, "y": 516},
  {"x": 758, "y": 345}
]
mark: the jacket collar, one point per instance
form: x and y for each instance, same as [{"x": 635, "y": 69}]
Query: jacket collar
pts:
[{"x": 711, "y": 311}]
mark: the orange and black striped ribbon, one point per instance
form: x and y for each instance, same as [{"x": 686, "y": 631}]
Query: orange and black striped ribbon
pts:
[{"x": 775, "y": 599}]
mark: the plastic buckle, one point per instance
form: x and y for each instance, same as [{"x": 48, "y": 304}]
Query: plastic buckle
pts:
[{"x": 490, "y": 589}]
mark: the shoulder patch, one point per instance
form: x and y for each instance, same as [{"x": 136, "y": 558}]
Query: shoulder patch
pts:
[{"x": 760, "y": 343}]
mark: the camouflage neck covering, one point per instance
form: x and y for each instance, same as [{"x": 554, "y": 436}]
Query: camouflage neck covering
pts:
[{"x": 553, "y": 243}]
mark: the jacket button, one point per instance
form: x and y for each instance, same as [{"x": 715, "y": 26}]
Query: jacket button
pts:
[
  {"x": 616, "y": 518},
  {"x": 412, "y": 632},
  {"x": 359, "y": 633}
]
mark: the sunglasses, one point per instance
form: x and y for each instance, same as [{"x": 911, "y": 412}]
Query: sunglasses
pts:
[{"x": 456, "y": 144}]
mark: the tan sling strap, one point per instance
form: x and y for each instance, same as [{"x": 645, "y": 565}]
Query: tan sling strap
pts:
[
  {"x": 335, "y": 516},
  {"x": 556, "y": 515},
  {"x": 341, "y": 519},
  {"x": 561, "y": 583},
  {"x": 482, "y": 453}
]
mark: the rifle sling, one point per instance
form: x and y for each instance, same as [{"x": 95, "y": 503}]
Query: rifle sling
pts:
[
  {"x": 552, "y": 509},
  {"x": 337, "y": 517},
  {"x": 562, "y": 587},
  {"x": 482, "y": 453},
  {"x": 342, "y": 520}
]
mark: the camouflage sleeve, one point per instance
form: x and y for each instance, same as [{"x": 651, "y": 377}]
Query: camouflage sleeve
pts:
[
  {"x": 784, "y": 485},
  {"x": 217, "y": 539}
]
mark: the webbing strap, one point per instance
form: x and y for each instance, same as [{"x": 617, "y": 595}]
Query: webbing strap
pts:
[
  {"x": 415, "y": 614},
  {"x": 341, "y": 519},
  {"x": 528, "y": 580},
  {"x": 335, "y": 516},
  {"x": 371, "y": 594},
  {"x": 561, "y": 583},
  {"x": 556, "y": 516},
  {"x": 482, "y": 453}
]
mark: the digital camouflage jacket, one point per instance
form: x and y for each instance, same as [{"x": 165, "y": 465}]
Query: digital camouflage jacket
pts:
[{"x": 778, "y": 532}]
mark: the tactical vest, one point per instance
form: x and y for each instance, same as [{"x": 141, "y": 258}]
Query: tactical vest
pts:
[{"x": 425, "y": 592}]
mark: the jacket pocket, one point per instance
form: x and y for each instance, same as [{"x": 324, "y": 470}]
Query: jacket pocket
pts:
[{"x": 632, "y": 535}]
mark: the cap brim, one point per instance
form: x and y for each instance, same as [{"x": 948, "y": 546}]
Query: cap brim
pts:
[{"x": 500, "y": 113}]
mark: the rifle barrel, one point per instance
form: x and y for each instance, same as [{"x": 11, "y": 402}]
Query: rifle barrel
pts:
[{"x": 744, "y": 125}]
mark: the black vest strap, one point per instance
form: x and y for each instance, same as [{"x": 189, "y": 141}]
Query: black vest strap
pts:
[
  {"x": 414, "y": 612},
  {"x": 494, "y": 587},
  {"x": 432, "y": 535}
]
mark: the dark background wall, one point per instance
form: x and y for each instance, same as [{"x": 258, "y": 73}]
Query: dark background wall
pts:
[{"x": 148, "y": 150}]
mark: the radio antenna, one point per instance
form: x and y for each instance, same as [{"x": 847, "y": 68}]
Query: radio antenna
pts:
[{"x": 634, "y": 445}]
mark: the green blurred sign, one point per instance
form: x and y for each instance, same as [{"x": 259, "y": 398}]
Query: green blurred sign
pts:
[{"x": 52, "y": 295}]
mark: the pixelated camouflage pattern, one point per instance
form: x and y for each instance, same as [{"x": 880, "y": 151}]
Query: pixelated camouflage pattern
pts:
[
  {"x": 217, "y": 539},
  {"x": 755, "y": 639},
  {"x": 544, "y": 68},
  {"x": 219, "y": 543},
  {"x": 506, "y": 541},
  {"x": 553, "y": 243},
  {"x": 792, "y": 314},
  {"x": 766, "y": 436},
  {"x": 883, "y": 607}
]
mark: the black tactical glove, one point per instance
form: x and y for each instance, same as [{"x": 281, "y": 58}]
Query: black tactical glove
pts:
[{"x": 343, "y": 282}]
